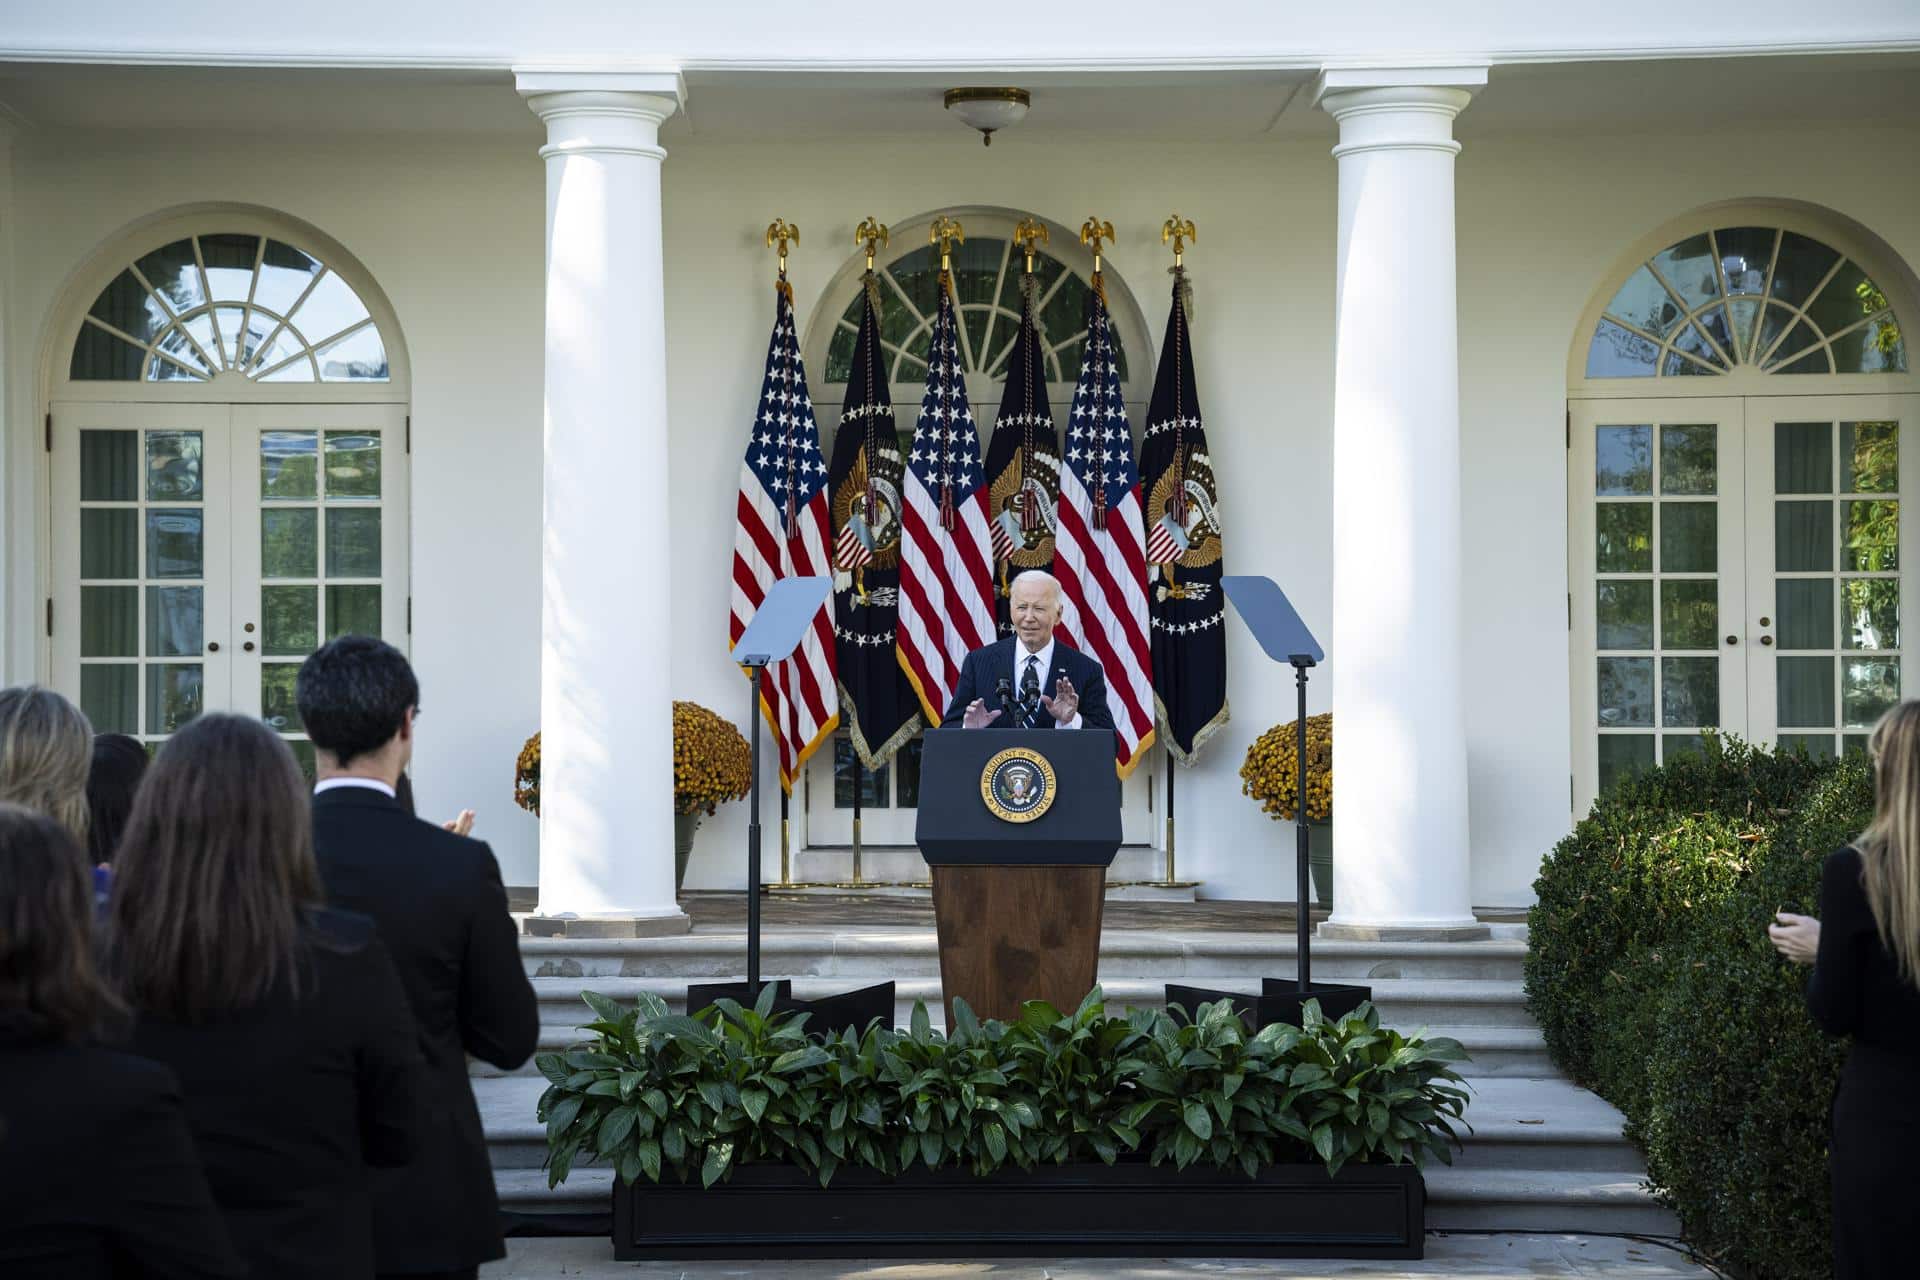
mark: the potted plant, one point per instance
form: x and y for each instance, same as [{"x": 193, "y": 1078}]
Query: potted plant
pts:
[
  {"x": 1270, "y": 775},
  {"x": 736, "y": 1132},
  {"x": 711, "y": 765}
]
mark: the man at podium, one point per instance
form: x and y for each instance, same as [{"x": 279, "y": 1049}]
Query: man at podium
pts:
[{"x": 1026, "y": 681}]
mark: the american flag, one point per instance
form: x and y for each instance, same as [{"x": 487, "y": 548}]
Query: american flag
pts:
[
  {"x": 782, "y": 533},
  {"x": 946, "y": 550},
  {"x": 1099, "y": 551}
]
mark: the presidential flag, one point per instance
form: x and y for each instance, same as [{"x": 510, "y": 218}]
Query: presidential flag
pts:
[
  {"x": 782, "y": 532},
  {"x": 1023, "y": 464},
  {"x": 1183, "y": 548},
  {"x": 946, "y": 549},
  {"x": 1100, "y": 553},
  {"x": 877, "y": 705}
]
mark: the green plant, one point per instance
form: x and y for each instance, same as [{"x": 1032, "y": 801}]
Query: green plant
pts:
[
  {"x": 657, "y": 1094},
  {"x": 1650, "y": 961}
]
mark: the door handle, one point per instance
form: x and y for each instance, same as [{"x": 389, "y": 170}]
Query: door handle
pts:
[
  {"x": 1733, "y": 639},
  {"x": 1766, "y": 640},
  {"x": 213, "y": 646},
  {"x": 248, "y": 646}
]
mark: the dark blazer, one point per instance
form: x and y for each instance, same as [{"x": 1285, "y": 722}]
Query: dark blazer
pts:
[
  {"x": 986, "y": 666},
  {"x": 442, "y": 910},
  {"x": 1856, "y": 990},
  {"x": 290, "y": 1101},
  {"x": 99, "y": 1178}
]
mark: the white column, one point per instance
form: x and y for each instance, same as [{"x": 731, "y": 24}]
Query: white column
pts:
[
  {"x": 1399, "y": 743},
  {"x": 606, "y": 711}
]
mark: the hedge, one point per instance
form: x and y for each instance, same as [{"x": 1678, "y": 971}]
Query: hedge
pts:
[{"x": 1651, "y": 973}]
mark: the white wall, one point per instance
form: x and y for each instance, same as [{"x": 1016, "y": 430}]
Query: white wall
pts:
[{"x": 453, "y": 235}]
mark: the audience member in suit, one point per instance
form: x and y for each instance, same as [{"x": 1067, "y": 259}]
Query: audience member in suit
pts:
[
  {"x": 98, "y": 1173},
  {"x": 46, "y": 750},
  {"x": 442, "y": 909},
  {"x": 1865, "y": 952},
  {"x": 403, "y": 796},
  {"x": 284, "y": 1021}
]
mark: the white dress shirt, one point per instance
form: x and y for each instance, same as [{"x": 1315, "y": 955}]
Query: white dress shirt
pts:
[
  {"x": 374, "y": 784},
  {"x": 1045, "y": 664}
]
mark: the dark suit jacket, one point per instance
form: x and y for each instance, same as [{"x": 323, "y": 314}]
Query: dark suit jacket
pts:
[
  {"x": 438, "y": 900},
  {"x": 986, "y": 666},
  {"x": 99, "y": 1178},
  {"x": 290, "y": 1101}
]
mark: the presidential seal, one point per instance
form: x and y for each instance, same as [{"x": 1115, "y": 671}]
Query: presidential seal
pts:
[{"x": 1017, "y": 784}]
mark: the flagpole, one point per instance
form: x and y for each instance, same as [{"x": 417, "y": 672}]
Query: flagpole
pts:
[
  {"x": 1170, "y": 772},
  {"x": 859, "y": 785}
]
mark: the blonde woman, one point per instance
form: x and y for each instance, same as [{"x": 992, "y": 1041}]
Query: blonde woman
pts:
[
  {"x": 46, "y": 749},
  {"x": 1865, "y": 953}
]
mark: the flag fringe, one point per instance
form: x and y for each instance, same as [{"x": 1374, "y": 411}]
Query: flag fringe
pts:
[{"x": 1200, "y": 735}]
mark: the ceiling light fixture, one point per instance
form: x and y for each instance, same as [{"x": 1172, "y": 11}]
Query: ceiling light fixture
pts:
[{"x": 988, "y": 109}]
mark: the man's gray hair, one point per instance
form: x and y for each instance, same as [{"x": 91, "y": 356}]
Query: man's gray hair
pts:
[{"x": 1040, "y": 575}]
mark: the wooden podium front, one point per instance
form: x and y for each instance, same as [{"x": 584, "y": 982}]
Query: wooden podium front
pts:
[{"x": 1018, "y": 827}]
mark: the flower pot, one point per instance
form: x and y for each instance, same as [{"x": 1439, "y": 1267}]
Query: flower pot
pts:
[
  {"x": 684, "y": 825},
  {"x": 1320, "y": 861}
]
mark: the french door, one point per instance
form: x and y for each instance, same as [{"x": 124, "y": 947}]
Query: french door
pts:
[
  {"x": 1738, "y": 563},
  {"x": 201, "y": 551}
]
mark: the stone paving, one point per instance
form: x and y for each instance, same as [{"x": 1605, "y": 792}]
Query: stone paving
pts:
[{"x": 1460, "y": 1256}]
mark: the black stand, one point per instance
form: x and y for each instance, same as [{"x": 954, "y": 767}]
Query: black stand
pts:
[
  {"x": 773, "y": 634},
  {"x": 1285, "y": 638}
]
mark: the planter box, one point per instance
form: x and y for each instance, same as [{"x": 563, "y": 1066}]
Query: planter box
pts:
[{"x": 1129, "y": 1209}]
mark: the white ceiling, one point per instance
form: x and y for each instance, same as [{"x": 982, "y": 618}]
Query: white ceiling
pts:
[{"x": 1202, "y": 106}]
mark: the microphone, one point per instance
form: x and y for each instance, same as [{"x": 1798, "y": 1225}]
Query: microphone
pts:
[{"x": 1003, "y": 690}]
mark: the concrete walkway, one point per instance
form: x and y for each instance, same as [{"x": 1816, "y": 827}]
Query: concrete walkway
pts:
[{"x": 1481, "y": 1257}]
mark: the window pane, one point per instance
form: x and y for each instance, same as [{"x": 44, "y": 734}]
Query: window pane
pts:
[
  {"x": 874, "y": 792},
  {"x": 175, "y": 627},
  {"x": 1817, "y": 745},
  {"x": 289, "y": 464},
  {"x": 1802, "y": 264},
  {"x": 1745, "y": 253},
  {"x": 353, "y": 610},
  {"x": 192, "y": 363},
  {"x": 1871, "y": 688},
  {"x": 1773, "y": 322},
  {"x": 285, "y": 272},
  {"x": 1803, "y": 457},
  {"x": 109, "y": 466},
  {"x": 1689, "y": 614},
  {"x": 110, "y": 695},
  {"x": 1675, "y": 745},
  {"x": 99, "y": 356},
  {"x": 1644, "y": 303},
  {"x": 1848, "y": 299},
  {"x": 289, "y": 620},
  {"x": 174, "y": 545},
  {"x": 906, "y": 767},
  {"x": 1690, "y": 691},
  {"x": 172, "y": 270},
  {"x": 1854, "y": 744},
  {"x": 1623, "y": 460},
  {"x": 109, "y": 542},
  {"x": 1872, "y": 348},
  {"x": 1746, "y": 317},
  {"x": 303, "y": 754},
  {"x": 1626, "y": 691},
  {"x": 1689, "y": 268},
  {"x": 1870, "y": 613},
  {"x": 840, "y": 351},
  {"x": 127, "y": 306},
  {"x": 1873, "y": 536},
  {"x": 1869, "y": 457},
  {"x": 1623, "y": 754},
  {"x": 1714, "y": 325},
  {"x": 1691, "y": 341},
  {"x": 1805, "y": 692},
  {"x": 1687, "y": 459},
  {"x": 1624, "y": 615},
  {"x": 1798, "y": 339},
  {"x": 1689, "y": 537},
  {"x": 1803, "y": 537},
  {"x": 173, "y": 696},
  {"x": 289, "y": 542},
  {"x": 1815, "y": 361},
  {"x": 109, "y": 622},
  {"x": 277, "y": 705},
  {"x": 353, "y": 542},
  {"x": 1620, "y": 353},
  {"x": 1806, "y": 612},
  {"x": 333, "y": 306},
  {"x": 353, "y": 464},
  {"x": 1623, "y": 537},
  {"x": 358, "y": 357},
  {"x": 173, "y": 466},
  {"x": 229, "y": 263}
]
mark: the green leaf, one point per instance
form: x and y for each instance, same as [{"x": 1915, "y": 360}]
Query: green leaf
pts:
[
  {"x": 754, "y": 1103},
  {"x": 674, "y": 1142},
  {"x": 1197, "y": 1119},
  {"x": 719, "y": 1158},
  {"x": 614, "y": 1129},
  {"x": 930, "y": 1147},
  {"x": 922, "y": 1026},
  {"x": 1323, "y": 1141},
  {"x": 553, "y": 1067},
  {"x": 609, "y": 1010},
  {"x": 649, "y": 1152},
  {"x": 561, "y": 1116},
  {"x": 801, "y": 1059},
  {"x": 656, "y": 1102},
  {"x": 712, "y": 1094},
  {"x": 996, "y": 1140}
]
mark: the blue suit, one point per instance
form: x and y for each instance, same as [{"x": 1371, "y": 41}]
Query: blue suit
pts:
[{"x": 985, "y": 667}]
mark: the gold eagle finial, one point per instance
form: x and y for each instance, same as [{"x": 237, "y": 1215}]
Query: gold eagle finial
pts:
[
  {"x": 868, "y": 234},
  {"x": 781, "y": 231},
  {"x": 1179, "y": 231},
  {"x": 1092, "y": 232},
  {"x": 1029, "y": 232}
]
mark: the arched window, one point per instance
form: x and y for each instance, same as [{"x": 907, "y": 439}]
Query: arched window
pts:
[
  {"x": 228, "y": 302},
  {"x": 1757, "y": 296}
]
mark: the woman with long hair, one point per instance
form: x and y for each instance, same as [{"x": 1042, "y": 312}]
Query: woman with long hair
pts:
[
  {"x": 46, "y": 750},
  {"x": 1865, "y": 952},
  {"x": 119, "y": 762},
  {"x": 98, "y": 1174},
  {"x": 285, "y": 1021}
]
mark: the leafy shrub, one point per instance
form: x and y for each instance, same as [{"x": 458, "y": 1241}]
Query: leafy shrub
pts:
[
  {"x": 1653, "y": 965},
  {"x": 658, "y": 1093}
]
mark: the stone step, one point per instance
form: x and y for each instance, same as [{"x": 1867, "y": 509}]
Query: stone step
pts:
[
  {"x": 1497, "y": 1051},
  {"x": 913, "y": 953},
  {"x": 1587, "y": 1202},
  {"x": 1408, "y": 1003}
]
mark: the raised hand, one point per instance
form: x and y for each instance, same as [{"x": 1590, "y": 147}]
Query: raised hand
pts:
[
  {"x": 462, "y": 825},
  {"x": 1064, "y": 705},
  {"x": 977, "y": 716}
]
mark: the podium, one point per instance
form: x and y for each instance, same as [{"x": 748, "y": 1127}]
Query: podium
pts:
[{"x": 1018, "y": 827}]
